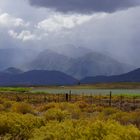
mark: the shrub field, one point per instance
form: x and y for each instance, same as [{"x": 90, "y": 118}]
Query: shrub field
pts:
[{"x": 28, "y": 116}]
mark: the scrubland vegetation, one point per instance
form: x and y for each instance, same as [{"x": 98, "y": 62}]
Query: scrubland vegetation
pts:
[
  {"x": 14, "y": 89},
  {"x": 35, "y": 119}
]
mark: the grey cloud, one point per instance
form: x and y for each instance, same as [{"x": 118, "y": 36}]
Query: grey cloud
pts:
[
  {"x": 85, "y": 6},
  {"x": 116, "y": 34}
]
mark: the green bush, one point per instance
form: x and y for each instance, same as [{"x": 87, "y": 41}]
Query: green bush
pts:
[{"x": 14, "y": 89}]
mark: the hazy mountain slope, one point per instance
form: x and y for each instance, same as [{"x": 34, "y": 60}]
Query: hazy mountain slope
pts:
[
  {"x": 12, "y": 70},
  {"x": 94, "y": 64},
  {"x": 133, "y": 76},
  {"x": 7, "y": 58},
  {"x": 50, "y": 60},
  {"x": 70, "y": 50},
  {"x": 15, "y": 57},
  {"x": 91, "y": 64}
]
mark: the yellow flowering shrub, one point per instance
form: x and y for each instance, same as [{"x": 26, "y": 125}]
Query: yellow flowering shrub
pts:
[
  {"x": 22, "y": 108},
  {"x": 86, "y": 130},
  {"x": 18, "y": 126},
  {"x": 56, "y": 114}
]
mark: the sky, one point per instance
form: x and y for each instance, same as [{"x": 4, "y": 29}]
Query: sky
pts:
[{"x": 106, "y": 26}]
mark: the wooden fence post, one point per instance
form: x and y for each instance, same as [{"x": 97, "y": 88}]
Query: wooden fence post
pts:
[
  {"x": 110, "y": 99},
  {"x": 18, "y": 98},
  {"x": 91, "y": 101},
  {"x": 83, "y": 98},
  {"x": 70, "y": 96},
  {"x": 67, "y": 97},
  {"x": 58, "y": 97},
  {"x": 121, "y": 101},
  {"x": 28, "y": 98},
  {"x": 45, "y": 98},
  {"x": 100, "y": 100},
  {"x": 134, "y": 102}
]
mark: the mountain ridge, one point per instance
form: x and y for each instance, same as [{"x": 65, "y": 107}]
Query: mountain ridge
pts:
[
  {"x": 132, "y": 76},
  {"x": 37, "y": 77},
  {"x": 91, "y": 64},
  {"x": 46, "y": 77},
  {"x": 87, "y": 63}
]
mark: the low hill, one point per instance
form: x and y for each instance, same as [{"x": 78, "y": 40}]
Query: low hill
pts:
[
  {"x": 133, "y": 76},
  {"x": 36, "y": 77},
  {"x": 12, "y": 70}
]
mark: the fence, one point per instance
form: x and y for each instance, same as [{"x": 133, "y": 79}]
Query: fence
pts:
[{"x": 122, "y": 102}]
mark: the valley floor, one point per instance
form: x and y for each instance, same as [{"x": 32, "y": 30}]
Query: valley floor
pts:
[
  {"x": 38, "y": 116},
  {"x": 121, "y": 85}
]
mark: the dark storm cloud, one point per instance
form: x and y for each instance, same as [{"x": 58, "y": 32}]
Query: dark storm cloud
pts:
[{"x": 85, "y": 6}]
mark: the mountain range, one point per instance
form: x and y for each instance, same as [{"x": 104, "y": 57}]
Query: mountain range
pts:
[
  {"x": 77, "y": 62},
  {"x": 90, "y": 64},
  {"x": 14, "y": 77},
  {"x": 133, "y": 76}
]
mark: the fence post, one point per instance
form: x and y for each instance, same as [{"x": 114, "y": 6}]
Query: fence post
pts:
[
  {"x": 75, "y": 97},
  {"x": 58, "y": 97},
  {"x": 91, "y": 101},
  {"x": 28, "y": 98},
  {"x": 70, "y": 96},
  {"x": 110, "y": 99},
  {"x": 100, "y": 100},
  {"x": 83, "y": 99},
  {"x": 45, "y": 98},
  {"x": 67, "y": 97},
  {"x": 134, "y": 102},
  {"x": 49, "y": 98},
  {"x": 121, "y": 101},
  {"x": 18, "y": 98}
]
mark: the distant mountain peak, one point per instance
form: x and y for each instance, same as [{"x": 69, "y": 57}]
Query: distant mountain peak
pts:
[
  {"x": 90, "y": 64},
  {"x": 71, "y": 50},
  {"x": 13, "y": 70}
]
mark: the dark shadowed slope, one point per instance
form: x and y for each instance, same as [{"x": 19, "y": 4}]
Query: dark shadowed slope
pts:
[
  {"x": 44, "y": 77},
  {"x": 37, "y": 77},
  {"x": 133, "y": 76},
  {"x": 12, "y": 70}
]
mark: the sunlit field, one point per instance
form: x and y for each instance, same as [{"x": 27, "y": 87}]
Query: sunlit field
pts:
[{"x": 25, "y": 114}]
